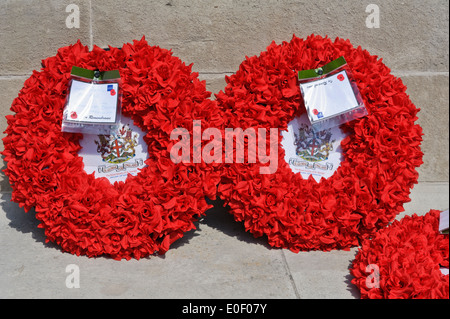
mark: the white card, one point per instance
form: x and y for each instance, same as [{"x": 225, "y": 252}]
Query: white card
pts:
[
  {"x": 92, "y": 103},
  {"x": 116, "y": 155},
  {"x": 312, "y": 152},
  {"x": 443, "y": 221},
  {"x": 329, "y": 96}
]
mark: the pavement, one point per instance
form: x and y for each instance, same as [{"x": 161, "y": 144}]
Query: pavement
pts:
[{"x": 219, "y": 260}]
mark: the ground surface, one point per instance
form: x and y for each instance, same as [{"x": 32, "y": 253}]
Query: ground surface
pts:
[{"x": 218, "y": 260}]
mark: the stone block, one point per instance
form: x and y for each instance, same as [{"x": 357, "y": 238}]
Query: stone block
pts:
[
  {"x": 430, "y": 93},
  {"x": 217, "y": 35},
  {"x": 214, "y": 82},
  {"x": 425, "y": 196},
  {"x": 31, "y": 31},
  {"x": 322, "y": 275}
]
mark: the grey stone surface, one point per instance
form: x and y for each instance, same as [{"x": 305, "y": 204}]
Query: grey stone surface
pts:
[
  {"x": 430, "y": 94},
  {"x": 319, "y": 275},
  {"x": 217, "y": 35},
  {"x": 425, "y": 196},
  {"x": 34, "y": 30},
  {"x": 215, "y": 82},
  {"x": 218, "y": 260}
]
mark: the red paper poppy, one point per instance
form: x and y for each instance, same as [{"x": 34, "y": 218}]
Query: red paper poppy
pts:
[
  {"x": 90, "y": 216},
  {"x": 381, "y": 151},
  {"x": 404, "y": 260}
]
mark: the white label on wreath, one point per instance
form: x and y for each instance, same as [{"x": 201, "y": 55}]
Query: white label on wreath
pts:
[
  {"x": 329, "y": 96},
  {"x": 92, "y": 103},
  {"x": 116, "y": 155},
  {"x": 312, "y": 152}
]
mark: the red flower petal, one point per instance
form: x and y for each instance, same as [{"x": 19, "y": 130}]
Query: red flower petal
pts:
[
  {"x": 381, "y": 153},
  {"x": 408, "y": 255},
  {"x": 88, "y": 216}
]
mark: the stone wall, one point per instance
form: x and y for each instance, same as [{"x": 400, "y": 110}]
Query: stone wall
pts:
[{"x": 216, "y": 35}]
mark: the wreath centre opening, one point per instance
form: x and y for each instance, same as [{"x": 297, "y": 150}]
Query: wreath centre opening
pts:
[
  {"x": 310, "y": 151},
  {"x": 115, "y": 155}
]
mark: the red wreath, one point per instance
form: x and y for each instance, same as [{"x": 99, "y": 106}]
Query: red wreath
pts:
[
  {"x": 90, "y": 216},
  {"x": 382, "y": 150},
  {"x": 403, "y": 261}
]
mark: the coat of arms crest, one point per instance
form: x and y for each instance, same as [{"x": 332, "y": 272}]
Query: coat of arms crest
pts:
[
  {"x": 118, "y": 147},
  {"x": 313, "y": 146}
]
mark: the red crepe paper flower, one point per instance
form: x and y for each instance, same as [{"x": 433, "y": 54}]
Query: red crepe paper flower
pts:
[
  {"x": 87, "y": 215},
  {"x": 381, "y": 152},
  {"x": 407, "y": 257}
]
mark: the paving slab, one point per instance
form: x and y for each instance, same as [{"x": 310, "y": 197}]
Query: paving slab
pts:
[{"x": 218, "y": 260}]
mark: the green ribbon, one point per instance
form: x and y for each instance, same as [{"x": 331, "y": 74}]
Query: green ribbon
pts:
[
  {"x": 95, "y": 74},
  {"x": 327, "y": 68}
]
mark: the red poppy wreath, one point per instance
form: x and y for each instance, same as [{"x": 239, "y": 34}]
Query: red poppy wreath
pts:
[
  {"x": 380, "y": 151},
  {"x": 90, "y": 216},
  {"x": 403, "y": 261}
]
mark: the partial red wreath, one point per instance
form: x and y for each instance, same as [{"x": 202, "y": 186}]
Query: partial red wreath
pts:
[
  {"x": 382, "y": 150},
  {"x": 405, "y": 260},
  {"x": 87, "y": 215}
]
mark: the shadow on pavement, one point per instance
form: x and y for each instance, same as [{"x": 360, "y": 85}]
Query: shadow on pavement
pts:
[{"x": 21, "y": 221}]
